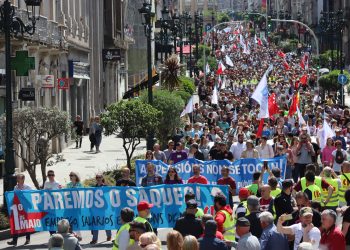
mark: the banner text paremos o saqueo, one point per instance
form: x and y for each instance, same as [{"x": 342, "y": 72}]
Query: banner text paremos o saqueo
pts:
[{"x": 99, "y": 208}]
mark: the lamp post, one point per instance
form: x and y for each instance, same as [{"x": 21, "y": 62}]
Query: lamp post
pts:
[
  {"x": 198, "y": 24},
  {"x": 146, "y": 11},
  {"x": 212, "y": 33},
  {"x": 11, "y": 24}
]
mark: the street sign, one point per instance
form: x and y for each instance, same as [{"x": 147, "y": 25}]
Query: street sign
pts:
[
  {"x": 27, "y": 94},
  {"x": 342, "y": 79},
  {"x": 111, "y": 55},
  {"x": 208, "y": 27},
  {"x": 63, "y": 83}
]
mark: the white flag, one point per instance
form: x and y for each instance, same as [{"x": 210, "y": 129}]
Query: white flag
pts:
[
  {"x": 246, "y": 50},
  {"x": 207, "y": 69},
  {"x": 229, "y": 61},
  {"x": 325, "y": 133},
  {"x": 223, "y": 48},
  {"x": 261, "y": 96},
  {"x": 241, "y": 41},
  {"x": 227, "y": 30},
  {"x": 300, "y": 118},
  {"x": 189, "y": 108},
  {"x": 235, "y": 115},
  {"x": 255, "y": 39},
  {"x": 223, "y": 83},
  {"x": 214, "y": 97}
]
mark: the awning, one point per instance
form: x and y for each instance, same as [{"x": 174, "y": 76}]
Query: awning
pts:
[
  {"x": 142, "y": 85},
  {"x": 185, "y": 49}
]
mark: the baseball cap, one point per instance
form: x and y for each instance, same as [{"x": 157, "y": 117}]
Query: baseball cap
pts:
[
  {"x": 253, "y": 200},
  {"x": 243, "y": 222},
  {"x": 143, "y": 205},
  {"x": 305, "y": 211},
  {"x": 243, "y": 193},
  {"x": 191, "y": 204}
]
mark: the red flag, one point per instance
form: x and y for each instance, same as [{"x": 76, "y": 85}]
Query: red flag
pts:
[
  {"x": 302, "y": 64},
  {"x": 221, "y": 69},
  {"x": 273, "y": 107},
  {"x": 260, "y": 42},
  {"x": 237, "y": 32},
  {"x": 281, "y": 54},
  {"x": 294, "y": 105},
  {"x": 260, "y": 129},
  {"x": 303, "y": 80},
  {"x": 286, "y": 65}
]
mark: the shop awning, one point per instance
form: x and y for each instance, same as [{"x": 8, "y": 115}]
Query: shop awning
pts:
[
  {"x": 142, "y": 85},
  {"x": 185, "y": 49}
]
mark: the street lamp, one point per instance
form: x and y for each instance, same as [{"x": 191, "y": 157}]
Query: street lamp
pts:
[
  {"x": 147, "y": 13},
  {"x": 11, "y": 24},
  {"x": 198, "y": 24}
]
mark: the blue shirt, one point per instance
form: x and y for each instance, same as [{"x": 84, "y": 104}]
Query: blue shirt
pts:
[{"x": 272, "y": 240}]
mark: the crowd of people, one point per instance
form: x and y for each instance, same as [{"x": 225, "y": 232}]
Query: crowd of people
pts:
[{"x": 307, "y": 208}]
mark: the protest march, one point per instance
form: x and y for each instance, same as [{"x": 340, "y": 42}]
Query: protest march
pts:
[{"x": 261, "y": 130}]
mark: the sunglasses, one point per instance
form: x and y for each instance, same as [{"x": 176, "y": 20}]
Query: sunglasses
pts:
[
  {"x": 98, "y": 177},
  {"x": 72, "y": 175},
  {"x": 50, "y": 175}
]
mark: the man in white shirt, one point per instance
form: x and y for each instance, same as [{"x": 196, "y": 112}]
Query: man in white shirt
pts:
[
  {"x": 238, "y": 148},
  {"x": 304, "y": 231},
  {"x": 51, "y": 184}
]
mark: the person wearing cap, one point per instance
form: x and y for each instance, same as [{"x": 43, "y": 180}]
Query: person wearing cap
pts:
[
  {"x": 283, "y": 202},
  {"x": 253, "y": 217},
  {"x": 250, "y": 151},
  {"x": 247, "y": 241},
  {"x": 242, "y": 210},
  {"x": 339, "y": 137},
  {"x": 339, "y": 156},
  {"x": 178, "y": 155},
  {"x": 332, "y": 237},
  {"x": 135, "y": 231},
  {"x": 192, "y": 196},
  {"x": 189, "y": 224},
  {"x": 334, "y": 181},
  {"x": 122, "y": 239},
  {"x": 209, "y": 240},
  {"x": 302, "y": 200},
  {"x": 226, "y": 179},
  {"x": 271, "y": 239},
  {"x": 224, "y": 218},
  {"x": 144, "y": 213},
  {"x": 304, "y": 231},
  {"x": 152, "y": 178},
  {"x": 197, "y": 177}
]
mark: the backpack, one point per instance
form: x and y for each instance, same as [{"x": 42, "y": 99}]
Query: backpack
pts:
[{"x": 339, "y": 157}]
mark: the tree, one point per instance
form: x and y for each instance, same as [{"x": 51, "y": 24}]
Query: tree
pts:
[
  {"x": 171, "y": 107},
  {"x": 329, "y": 82},
  {"x": 210, "y": 60},
  {"x": 33, "y": 129},
  {"x": 170, "y": 75},
  {"x": 223, "y": 17},
  {"x": 134, "y": 119}
]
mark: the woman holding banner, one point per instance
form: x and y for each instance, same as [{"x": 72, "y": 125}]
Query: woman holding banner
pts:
[
  {"x": 172, "y": 177},
  {"x": 100, "y": 182}
]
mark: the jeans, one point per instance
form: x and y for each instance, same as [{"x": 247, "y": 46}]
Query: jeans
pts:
[
  {"x": 295, "y": 173},
  {"x": 95, "y": 234},
  {"x": 299, "y": 171}
]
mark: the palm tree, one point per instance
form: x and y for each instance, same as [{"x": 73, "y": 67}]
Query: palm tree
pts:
[{"x": 170, "y": 74}]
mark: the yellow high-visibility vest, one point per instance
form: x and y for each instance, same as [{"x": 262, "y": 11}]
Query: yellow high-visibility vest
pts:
[{"x": 333, "y": 201}]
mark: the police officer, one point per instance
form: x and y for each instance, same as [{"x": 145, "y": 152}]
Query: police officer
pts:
[{"x": 122, "y": 238}]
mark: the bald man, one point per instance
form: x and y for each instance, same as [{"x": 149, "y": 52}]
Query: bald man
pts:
[{"x": 266, "y": 198}]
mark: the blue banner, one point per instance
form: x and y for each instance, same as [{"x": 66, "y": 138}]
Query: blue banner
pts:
[
  {"x": 99, "y": 208},
  {"x": 241, "y": 170}
]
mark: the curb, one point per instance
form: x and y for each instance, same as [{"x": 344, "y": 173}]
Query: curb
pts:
[{"x": 5, "y": 234}]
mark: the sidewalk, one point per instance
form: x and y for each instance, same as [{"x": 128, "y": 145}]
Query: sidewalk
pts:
[{"x": 86, "y": 163}]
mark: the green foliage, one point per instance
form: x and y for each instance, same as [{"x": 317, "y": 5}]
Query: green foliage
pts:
[
  {"x": 222, "y": 17},
  {"x": 185, "y": 96},
  {"x": 330, "y": 81},
  {"x": 134, "y": 119},
  {"x": 33, "y": 130},
  {"x": 4, "y": 221},
  {"x": 210, "y": 60},
  {"x": 187, "y": 84},
  {"x": 170, "y": 106},
  {"x": 201, "y": 49},
  {"x": 170, "y": 79},
  {"x": 325, "y": 58}
]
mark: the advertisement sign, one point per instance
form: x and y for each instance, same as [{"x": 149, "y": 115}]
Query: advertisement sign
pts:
[{"x": 46, "y": 81}]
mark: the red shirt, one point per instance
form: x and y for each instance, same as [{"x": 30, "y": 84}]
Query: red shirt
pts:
[
  {"x": 333, "y": 239},
  {"x": 200, "y": 179},
  {"x": 227, "y": 181},
  {"x": 264, "y": 204}
]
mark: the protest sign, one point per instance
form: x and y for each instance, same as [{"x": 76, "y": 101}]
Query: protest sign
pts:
[
  {"x": 241, "y": 170},
  {"x": 99, "y": 208}
]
